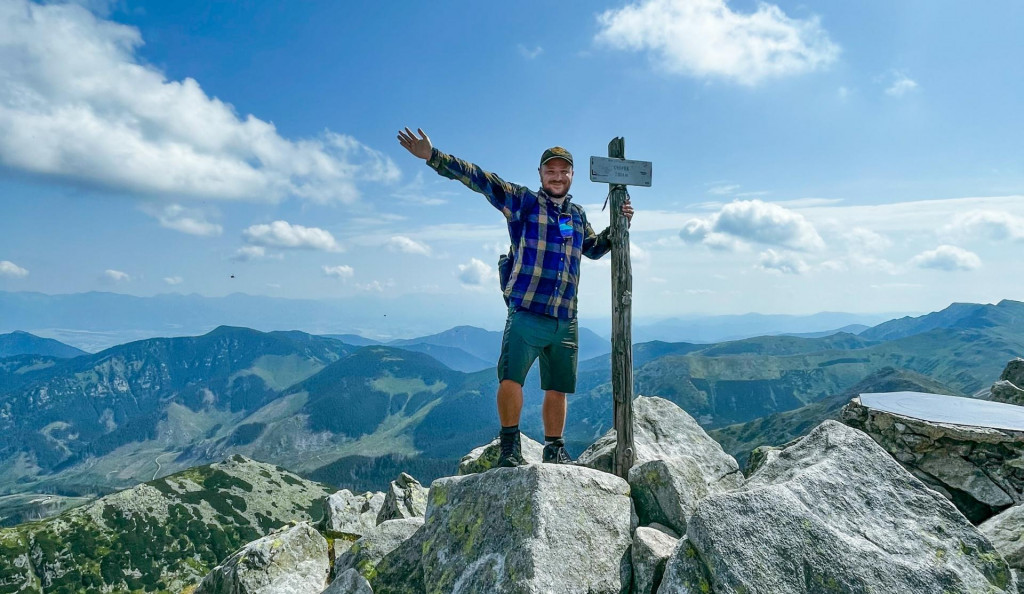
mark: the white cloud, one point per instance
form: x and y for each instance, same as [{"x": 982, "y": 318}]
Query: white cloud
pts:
[
  {"x": 530, "y": 53},
  {"x": 400, "y": 243},
  {"x": 249, "y": 252},
  {"x": 415, "y": 192},
  {"x": 947, "y": 257},
  {"x": 707, "y": 38},
  {"x": 376, "y": 286},
  {"x": 900, "y": 86},
  {"x": 341, "y": 272},
  {"x": 476, "y": 274},
  {"x": 173, "y": 280},
  {"x": 186, "y": 220},
  {"x": 283, "y": 234},
  {"x": 8, "y": 268},
  {"x": 77, "y": 103},
  {"x": 754, "y": 221},
  {"x": 723, "y": 190},
  {"x": 116, "y": 276},
  {"x": 865, "y": 241},
  {"x": 994, "y": 225},
  {"x": 786, "y": 263}
]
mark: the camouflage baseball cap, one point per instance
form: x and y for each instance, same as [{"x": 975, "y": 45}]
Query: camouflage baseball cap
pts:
[{"x": 556, "y": 152}]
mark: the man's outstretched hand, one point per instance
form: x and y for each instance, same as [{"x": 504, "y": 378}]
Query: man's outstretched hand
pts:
[{"x": 419, "y": 147}]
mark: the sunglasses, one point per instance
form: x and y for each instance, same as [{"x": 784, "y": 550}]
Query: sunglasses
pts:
[{"x": 565, "y": 225}]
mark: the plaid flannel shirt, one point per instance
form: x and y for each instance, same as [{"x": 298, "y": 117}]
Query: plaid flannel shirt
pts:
[{"x": 546, "y": 273}]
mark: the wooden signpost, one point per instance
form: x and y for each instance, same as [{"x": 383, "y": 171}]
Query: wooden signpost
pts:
[{"x": 617, "y": 172}]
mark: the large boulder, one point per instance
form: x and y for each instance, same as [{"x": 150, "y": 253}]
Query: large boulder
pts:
[
  {"x": 667, "y": 491},
  {"x": 537, "y": 528},
  {"x": 291, "y": 561},
  {"x": 349, "y": 582},
  {"x": 485, "y": 457},
  {"x": 662, "y": 430},
  {"x": 406, "y": 498},
  {"x": 980, "y": 469},
  {"x": 349, "y": 515},
  {"x": 366, "y": 553},
  {"x": 1008, "y": 387},
  {"x": 1006, "y": 533},
  {"x": 835, "y": 513},
  {"x": 651, "y": 550}
]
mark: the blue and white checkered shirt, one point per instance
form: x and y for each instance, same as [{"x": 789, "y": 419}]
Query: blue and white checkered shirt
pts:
[{"x": 547, "y": 266}]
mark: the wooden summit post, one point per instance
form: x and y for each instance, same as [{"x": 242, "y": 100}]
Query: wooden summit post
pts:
[{"x": 617, "y": 172}]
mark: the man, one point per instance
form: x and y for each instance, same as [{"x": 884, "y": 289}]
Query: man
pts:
[{"x": 549, "y": 235}]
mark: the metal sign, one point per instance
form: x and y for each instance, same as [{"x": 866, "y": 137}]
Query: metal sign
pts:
[
  {"x": 620, "y": 171},
  {"x": 948, "y": 409}
]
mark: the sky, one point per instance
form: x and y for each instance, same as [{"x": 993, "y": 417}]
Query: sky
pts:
[{"x": 834, "y": 156}]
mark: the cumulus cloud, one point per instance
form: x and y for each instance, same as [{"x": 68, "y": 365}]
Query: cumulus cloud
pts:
[
  {"x": 475, "y": 273},
  {"x": 77, "y": 103},
  {"x": 116, "y": 276},
  {"x": 786, "y": 263},
  {"x": 865, "y": 241},
  {"x": 248, "y": 253},
  {"x": 754, "y": 221},
  {"x": 282, "y": 234},
  {"x": 173, "y": 280},
  {"x": 707, "y": 38},
  {"x": 341, "y": 271},
  {"x": 900, "y": 86},
  {"x": 993, "y": 225},
  {"x": 375, "y": 286},
  {"x": 947, "y": 257},
  {"x": 186, "y": 220},
  {"x": 8, "y": 268},
  {"x": 400, "y": 243}
]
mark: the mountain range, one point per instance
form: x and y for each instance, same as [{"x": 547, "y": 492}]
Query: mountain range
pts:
[{"x": 351, "y": 415}]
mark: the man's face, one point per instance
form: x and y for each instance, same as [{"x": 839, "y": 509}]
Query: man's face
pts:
[{"x": 556, "y": 177}]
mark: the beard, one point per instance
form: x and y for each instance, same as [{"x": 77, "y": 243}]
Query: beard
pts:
[{"x": 556, "y": 195}]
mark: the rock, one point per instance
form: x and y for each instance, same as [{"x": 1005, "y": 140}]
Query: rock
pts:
[
  {"x": 538, "y": 528},
  {"x": 406, "y": 498},
  {"x": 1007, "y": 388},
  {"x": 651, "y": 549},
  {"x": 684, "y": 572},
  {"x": 834, "y": 512},
  {"x": 349, "y": 582},
  {"x": 347, "y": 514},
  {"x": 291, "y": 561},
  {"x": 366, "y": 553},
  {"x": 981, "y": 470},
  {"x": 485, "y": 457},
  {"x": 662, "y": 430},
  {"x": 667, "y": 491},
  {"x": 400, "y": 571},
  {"x": 1006, "y": 533}
]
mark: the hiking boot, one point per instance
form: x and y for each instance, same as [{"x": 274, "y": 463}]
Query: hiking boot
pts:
[
  {"x": 511, "y": 455},
  {"x": 554, "y": 453}
]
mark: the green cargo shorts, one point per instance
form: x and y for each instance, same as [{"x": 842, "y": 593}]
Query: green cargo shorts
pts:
[{"x": 531, "y": 335}]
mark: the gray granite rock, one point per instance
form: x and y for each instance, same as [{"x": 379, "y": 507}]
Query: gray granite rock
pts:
[
  {"x": 651, "y": 550},
  {"x": 366, "y": 553},
  {"x": 1008, "y": 387},
  {"x": 351, "y": 515},
  {"x": 667, "y": 491},
  {"x": 406, "y": 498},
  {"x": 537, "y": 528},
  {"x": 349, "y": 582},
  {"x": 980, "y": 469},
  {"x": 685, "y": 573},
  {"x": 835, "y": 513},
  {"x": 290, "y": 561},
  {"x": 662, "y": 430},
  {"x": 485, "y": 457},
  {"x": 1006, "y": 532}
]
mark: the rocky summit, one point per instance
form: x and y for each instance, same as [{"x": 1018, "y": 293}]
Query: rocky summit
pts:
[
  {"x": 831, "y": 512},
  {"x": 979, "y": 469}
]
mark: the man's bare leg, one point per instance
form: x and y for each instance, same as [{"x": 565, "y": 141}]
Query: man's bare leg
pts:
[
  {"x": 510, "y": 402},
  {"x": 553, "y": 412}
]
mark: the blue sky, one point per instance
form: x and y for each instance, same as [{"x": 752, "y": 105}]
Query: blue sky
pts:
[{"x": 836, "y": 156}]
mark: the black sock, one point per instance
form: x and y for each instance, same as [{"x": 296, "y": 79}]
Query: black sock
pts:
[
  {"x": 508, "y": 437},
  {"x": 549, "y": 439}
]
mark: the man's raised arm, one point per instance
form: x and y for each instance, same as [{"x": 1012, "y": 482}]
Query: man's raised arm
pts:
[{"x": 506, "y": 197}]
